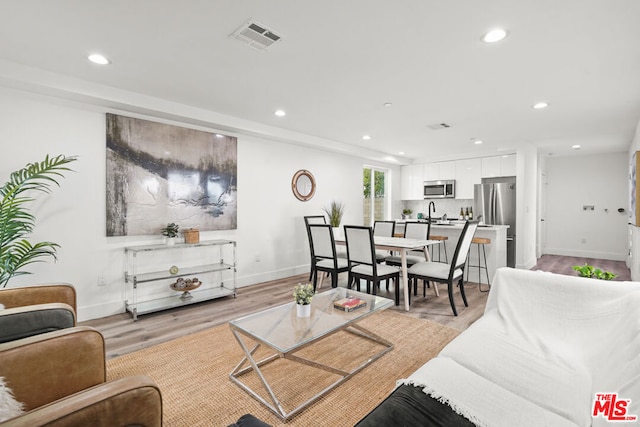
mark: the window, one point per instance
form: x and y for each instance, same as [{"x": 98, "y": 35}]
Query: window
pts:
[{"x": 375, "y": 204}]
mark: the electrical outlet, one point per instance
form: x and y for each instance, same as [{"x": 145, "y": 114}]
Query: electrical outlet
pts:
[
  {"x": 257, "y": 258},
  {"x": 101, "y": 280}
]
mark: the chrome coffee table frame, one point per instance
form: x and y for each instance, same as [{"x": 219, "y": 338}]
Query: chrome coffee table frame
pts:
[{"x": 273, "y": 328}]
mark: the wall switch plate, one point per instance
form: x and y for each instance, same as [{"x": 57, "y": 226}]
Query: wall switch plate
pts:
[{"x": 588, "y": 207}]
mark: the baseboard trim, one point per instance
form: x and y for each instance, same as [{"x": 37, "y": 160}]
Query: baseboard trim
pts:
[
  {"x": 97, "y": 311},
  {"x": 587, "y": 254},
  {"x": 267, "y": 276},
  {"x": 110, "y": 308}
]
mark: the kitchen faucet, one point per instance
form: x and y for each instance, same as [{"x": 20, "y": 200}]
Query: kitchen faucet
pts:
[{"x": 431, "y": 203}]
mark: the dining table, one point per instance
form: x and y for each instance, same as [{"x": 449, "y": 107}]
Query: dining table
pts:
[{"x": 402, "y": 245}]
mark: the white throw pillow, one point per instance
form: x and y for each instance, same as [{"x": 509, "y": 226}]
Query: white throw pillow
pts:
[{"x": 9, "y": 407}]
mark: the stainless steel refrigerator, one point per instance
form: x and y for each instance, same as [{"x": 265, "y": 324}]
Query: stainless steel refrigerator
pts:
[{"x": 495, "y": 200}]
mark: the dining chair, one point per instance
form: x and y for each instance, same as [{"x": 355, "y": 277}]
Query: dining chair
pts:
[
  {"x": 412, "y": 230},
  {"x": 384, "y": 229},
  {"x": 308, "y": 220},
  {"x": 440, "y": 272},
  {"x": 361, "y": 253},
  {"x": 323, "y": 254}
]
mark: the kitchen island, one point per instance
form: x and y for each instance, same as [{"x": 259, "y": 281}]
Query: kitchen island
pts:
[{"x": 496, "y": 251}]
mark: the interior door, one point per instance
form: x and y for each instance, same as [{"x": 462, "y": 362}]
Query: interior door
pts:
[{"x": 541, "y": 246}]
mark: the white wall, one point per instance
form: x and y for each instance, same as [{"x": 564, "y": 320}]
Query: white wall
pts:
[
  {"x": 598, "y": 180},
  {"x": 270, "y": 221},
  {"x": 526, "y": 216},
  {"x": 633, "y": 257},
  {"x": 541, "y": 218}
]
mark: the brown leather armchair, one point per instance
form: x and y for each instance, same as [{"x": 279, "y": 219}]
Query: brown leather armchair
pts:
[
  {"x": 35, "y": 310},
  {"x": 60, "y": 378},
  {"x": 40, "y": 294}
]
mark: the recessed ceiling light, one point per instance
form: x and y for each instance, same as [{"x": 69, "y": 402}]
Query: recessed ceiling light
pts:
[
  {"x": 366, "y": 137},
  {"x": 388, "y": 104},
  {"x": 478, "y": 141},
  {"x": 494, "y": 35},
  {"x": 540, "y": 105},
  {"x": 280, "y": 113},
  {"x": 401, "y": 153},
  {"x": 96, "y": 58},
  {"x": 576, "y": 146}
]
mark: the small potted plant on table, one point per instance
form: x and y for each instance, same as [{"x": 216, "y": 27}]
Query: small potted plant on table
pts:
[
  {"x": 170, "y": 232},
  {"x": 303, "y": 295}
]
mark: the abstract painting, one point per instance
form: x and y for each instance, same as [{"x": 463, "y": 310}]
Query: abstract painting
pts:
[{"x": 159, "y": 173}]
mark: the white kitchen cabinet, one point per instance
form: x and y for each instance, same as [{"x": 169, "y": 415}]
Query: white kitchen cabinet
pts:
[
  {"x": 490, "y": 167},
  {"x": 431, "y": 172},
  {"x": 412, "y": 182},
  {"x": 508, "y": 165},
  {"x": 495, "y": 166},
  {"x": 447, "y": 170},
  {"x": 468, "y": 173},
  {"x": 439, "y": 170}
]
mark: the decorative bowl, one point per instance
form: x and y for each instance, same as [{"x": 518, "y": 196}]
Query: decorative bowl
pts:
[{"x": 185, "y": 285}]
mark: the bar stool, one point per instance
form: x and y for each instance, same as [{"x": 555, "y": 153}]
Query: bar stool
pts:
[
  {"x": 442, "y": 244},
  {"x": 480, "y": 241}
]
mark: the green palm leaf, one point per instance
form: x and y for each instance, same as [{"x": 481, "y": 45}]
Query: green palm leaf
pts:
[{"x": 17, "y": 222}]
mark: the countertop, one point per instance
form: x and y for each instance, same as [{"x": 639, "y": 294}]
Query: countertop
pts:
[{"x": 453, "y": 224}]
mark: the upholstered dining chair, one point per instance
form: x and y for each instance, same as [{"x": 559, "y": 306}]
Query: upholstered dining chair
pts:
[
  {"x": 412, "y": 230},
  {"x": 323, "y": 254},
  {"x": 440, "y": 272},
  {"x": 308, "y": 220},
  {"x": 361, "y": 253},
  {"x": 384, "y": 229}
]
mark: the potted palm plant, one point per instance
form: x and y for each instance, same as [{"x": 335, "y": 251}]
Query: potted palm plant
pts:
[{"x": 16, "y": 220}]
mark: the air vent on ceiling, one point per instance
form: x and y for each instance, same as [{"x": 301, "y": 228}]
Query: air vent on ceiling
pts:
[
  {"x": 256, "y": 35},
  {"x": 437, "y": 126}
]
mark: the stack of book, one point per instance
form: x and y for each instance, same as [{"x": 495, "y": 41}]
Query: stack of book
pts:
[{"x": 349, "y": 303}]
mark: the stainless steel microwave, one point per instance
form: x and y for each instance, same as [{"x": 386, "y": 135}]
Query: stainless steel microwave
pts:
[{"x": 440, "y": 189}]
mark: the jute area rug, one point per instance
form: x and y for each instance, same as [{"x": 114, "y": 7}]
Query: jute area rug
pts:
[{"x": 193, "y": 373}]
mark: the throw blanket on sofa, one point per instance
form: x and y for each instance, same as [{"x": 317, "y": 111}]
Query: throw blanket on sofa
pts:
[{"x": 544, "y": 347}]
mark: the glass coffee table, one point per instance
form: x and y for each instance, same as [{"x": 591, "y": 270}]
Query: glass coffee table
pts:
[{"x": 285, "y": 334}]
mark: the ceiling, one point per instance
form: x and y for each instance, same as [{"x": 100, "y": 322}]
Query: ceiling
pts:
[{"x": 339, "y": 62}]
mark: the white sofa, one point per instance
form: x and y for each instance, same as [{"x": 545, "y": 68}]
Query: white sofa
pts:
[{"x": 544, "y": 347}]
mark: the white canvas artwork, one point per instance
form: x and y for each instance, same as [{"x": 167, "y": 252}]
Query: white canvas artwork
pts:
[{"x": 159, "y": 173}]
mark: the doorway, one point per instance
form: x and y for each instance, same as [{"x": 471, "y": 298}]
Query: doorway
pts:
[{"x": 375, "y": 189}]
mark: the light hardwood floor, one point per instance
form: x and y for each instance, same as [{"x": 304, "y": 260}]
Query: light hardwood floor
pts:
[{"x": 123, "y": 335}]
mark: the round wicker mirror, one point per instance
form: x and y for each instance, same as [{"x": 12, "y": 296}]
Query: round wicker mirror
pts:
[{"x": 303, "y": 185}]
